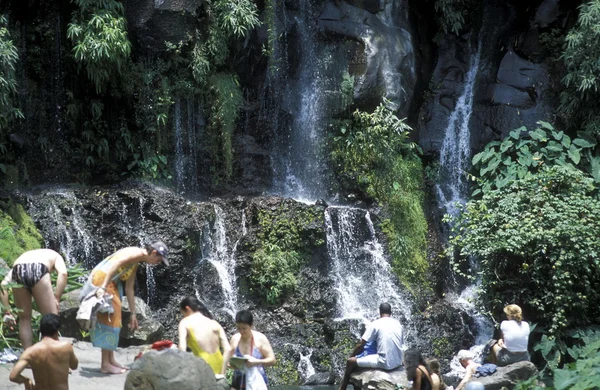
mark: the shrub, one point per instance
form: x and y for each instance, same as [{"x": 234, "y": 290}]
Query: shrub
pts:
[
  {"x": 18, "y": 233},
  {"x": 537, "y": 241},
  {"x": 373, "y": 152},
  {"x": 273, "y": 273}
]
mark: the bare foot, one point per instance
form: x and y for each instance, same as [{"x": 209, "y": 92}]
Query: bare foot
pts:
[
  {"x": 115, "y": 364},
  {"x": 110, "y": 369}
]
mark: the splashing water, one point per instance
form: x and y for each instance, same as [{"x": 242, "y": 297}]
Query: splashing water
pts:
[
  {"x": 362, "y": 276},
  {"x": 305, "y": 367},
  {"x": 455, "y": 154}
]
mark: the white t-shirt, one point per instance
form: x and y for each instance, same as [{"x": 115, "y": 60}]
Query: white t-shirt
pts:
[
  {"x": 387, "y": 331},
  {"x": 515, "y": 336}
]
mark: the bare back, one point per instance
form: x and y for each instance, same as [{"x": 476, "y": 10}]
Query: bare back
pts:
[
  {"x": 204, "y": 331},
  {"x": 48, "y": 257},
  {"x": 50, "y": 360}
]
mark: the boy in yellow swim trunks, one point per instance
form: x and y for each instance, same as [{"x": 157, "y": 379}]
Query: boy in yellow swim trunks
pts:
[{"x": 203, "y": 335}]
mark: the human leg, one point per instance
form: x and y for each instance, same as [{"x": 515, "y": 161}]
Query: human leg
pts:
[
  {"x": 112, "y": 360},
  {"x": 106, "y": 367},
  {"x": 23, "y": 303},
  {"x": 350, "y": 366},
  {"x": 44, "y": 296}
]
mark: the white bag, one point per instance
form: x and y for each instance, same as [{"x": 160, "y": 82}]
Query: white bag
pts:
[{"x": 254, "y": 380}]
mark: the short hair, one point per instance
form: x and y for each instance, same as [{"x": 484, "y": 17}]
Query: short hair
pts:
[
  {"x": 244, "y": 317},
  {"x": 49, "y": 325},
  {"x": 385, "y": 308},
  {"x": 463, "y": 354},
  {"x": 514, "y": 312},
  {"x": 196, "y": 305},
  {"x": 434, "y": 365}
]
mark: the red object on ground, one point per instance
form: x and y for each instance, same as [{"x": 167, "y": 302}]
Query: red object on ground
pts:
[{"x": 162, "y": 344}]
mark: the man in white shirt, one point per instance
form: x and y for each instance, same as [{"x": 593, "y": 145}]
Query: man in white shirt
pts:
[{"x": 387, "y": 332}]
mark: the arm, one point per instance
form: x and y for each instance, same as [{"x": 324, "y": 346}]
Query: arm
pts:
[
  {"x": 61, "y": 278},
  {"x": 182, "y": 336},
  {"x": 467, "y": 377},
  {"x": 73, "y": 362},
  {"x": 226, "y": 349},
  {"x": 4, "y": 292},
  {"x": 130, "y": 293},
  {"x": 15, "y": 374},
  {"x": 267, "y": 352},
  {"x": 358, "y": 348},
  {"x": 418, "y": 379}
]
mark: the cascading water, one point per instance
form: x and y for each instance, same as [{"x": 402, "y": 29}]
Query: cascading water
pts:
[
  {"x": 305, "y": 367},
  {"x": 301, "y": 168},
  {"x": 456, "y": 150},
  {"x": 186, "y": 149},
  {"x": 362, "y": 276},
  {"x": 215, "y": 250}
]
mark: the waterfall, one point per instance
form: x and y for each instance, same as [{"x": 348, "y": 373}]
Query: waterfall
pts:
[
  {"x": 362, "y": 276},
  {"x": 455, "y": 155},
  {"x": 215, "y": 251},
  {"x": 300, "y": 167},
  {"x": 305, "y": 367},
  {"x": 186, "y": 145}
]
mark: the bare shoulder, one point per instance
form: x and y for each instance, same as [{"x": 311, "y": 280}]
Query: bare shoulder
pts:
[
  {"x": 260, "y": 337},
  {"x": 215, "y": 325}
]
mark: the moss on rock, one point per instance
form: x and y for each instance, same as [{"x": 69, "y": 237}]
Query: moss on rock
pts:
[{"x": 18, "y": 233}]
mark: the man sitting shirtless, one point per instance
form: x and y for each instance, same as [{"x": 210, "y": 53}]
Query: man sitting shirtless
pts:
[
  {"x": 32, "y": 271},
  {"x": 50, "y": 359}
]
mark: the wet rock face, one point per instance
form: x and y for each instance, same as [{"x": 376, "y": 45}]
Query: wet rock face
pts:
[
  {"x": 367, "y": 379},
  {"x": 383, "y": 61},
  {"x": 512, "y": 88},
  {"x": 155, "y": 22}
]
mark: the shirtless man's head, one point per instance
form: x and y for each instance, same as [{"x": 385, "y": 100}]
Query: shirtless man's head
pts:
[
  {"x": 50, "y": 359},
  {"x": 31, "y": 271}
]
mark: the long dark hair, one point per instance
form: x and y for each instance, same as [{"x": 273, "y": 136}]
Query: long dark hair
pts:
[
  {"x": 412, "y": 360},
  {"x": 196, "y": 305}
]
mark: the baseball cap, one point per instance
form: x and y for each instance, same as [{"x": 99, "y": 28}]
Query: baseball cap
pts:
[{"x": 162, "y": 250}]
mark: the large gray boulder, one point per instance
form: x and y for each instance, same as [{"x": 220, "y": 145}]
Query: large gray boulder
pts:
[
  {"x": 369, "y": 379},
  {"x": 172, "y": 369},
  {"x": 508, "y": 376},
  {"x": 149, "y": 330}
]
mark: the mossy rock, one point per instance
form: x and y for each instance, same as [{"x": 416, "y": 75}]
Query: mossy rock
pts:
[{"x": 18, "y": 233}]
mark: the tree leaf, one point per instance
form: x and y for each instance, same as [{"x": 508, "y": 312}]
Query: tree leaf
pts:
[
  {"x": 574, "y": 154},
  {"x": 585, "y": 140}
]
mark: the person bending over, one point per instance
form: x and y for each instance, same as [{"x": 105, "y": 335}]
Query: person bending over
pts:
[
  {"x": 387, "y": 333},
  {"x": 50, "y": 359},
  {"x": 203, "y": 335},
  {"x": 465, "y": 358},
  {"x": 107, "y": 278},
  {"x": 32, "y": 271},
  {"x": 251, "y": 344}
]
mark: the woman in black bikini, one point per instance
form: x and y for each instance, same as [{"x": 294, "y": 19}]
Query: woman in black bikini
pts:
[{"x": 417, "y": 370}]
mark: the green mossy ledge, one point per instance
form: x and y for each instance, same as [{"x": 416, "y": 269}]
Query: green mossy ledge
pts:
[{"x": 18, "y": 233}]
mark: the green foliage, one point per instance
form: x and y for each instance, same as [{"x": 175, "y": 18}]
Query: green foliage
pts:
[
  {"x": 18, "y": 233},
  {"x": 8, "y": 83},
  {"x": 226, "y": 101},
  {"x": 274, "y": 271},
  {"x": 98, "y": 31},
  {"x": 579, "y": 101},
  {"x": 452, "y": 15},
  {"x": 287, "y": 236},
  {"x": 582, "y": 370},
  {"x": 373, "y": 152},
  {"x": 347, "y": 88},
  {"x": 523, "y": 153},
  {"x": 537, "y": 241}
]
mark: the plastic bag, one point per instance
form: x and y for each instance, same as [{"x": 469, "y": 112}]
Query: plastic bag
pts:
[{"x": 254, "y": 379}]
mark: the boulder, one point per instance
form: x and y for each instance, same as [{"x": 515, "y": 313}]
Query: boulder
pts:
[
  {"x": 69, "y": 305},
  {"x": 149, "y": 329},
  {"x": 320, "y": 378},
  {"x": 172, "y": 369},
  {"x": 508, "y": 376},
  {"x": 369, "y": 379}
]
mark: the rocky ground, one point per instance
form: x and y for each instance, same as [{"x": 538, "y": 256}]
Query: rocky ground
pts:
[{"x": 88, "y": 374}]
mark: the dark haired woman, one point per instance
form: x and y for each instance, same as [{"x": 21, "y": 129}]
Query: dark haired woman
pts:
[
  {"x": 417, "y": 371},
  {"x": 203, "y": 335},
  {"x": 254, "y": 346}
]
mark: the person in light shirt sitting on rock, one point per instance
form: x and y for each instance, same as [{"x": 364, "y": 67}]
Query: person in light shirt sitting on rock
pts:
[
  {"x": 388, "y": 334},
  {"x": 512, "y": 347}
]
